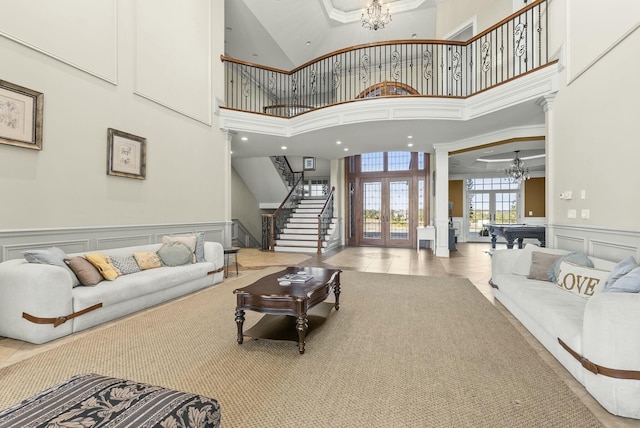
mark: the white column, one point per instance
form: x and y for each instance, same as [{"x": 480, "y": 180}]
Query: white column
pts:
[
  {"x": 337, "y": 179},
  {"x": 546, "y": 103},
  {"x": 228, "y": 137},
  {"x": 442, "y": 202}
]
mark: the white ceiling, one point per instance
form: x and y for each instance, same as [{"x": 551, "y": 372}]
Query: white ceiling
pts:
[{"x": 288, "y": 33}]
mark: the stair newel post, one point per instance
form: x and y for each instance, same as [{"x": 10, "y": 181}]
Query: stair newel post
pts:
[
  {"x": 272, "y": 228},
  {"x": 319, "y": 233}
]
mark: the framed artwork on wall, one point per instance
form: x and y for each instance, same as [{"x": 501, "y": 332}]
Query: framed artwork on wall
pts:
[
  {"x": 308, "y": 163},
  {"x": 20, "y": 116},
  {"x": 126, "y": 154}
]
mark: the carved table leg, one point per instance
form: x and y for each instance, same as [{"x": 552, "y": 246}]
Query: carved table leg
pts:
[
  {"x": 336, "y": 292},
  {"x": 239, "y": 322},
  {"x": 301, "y": 325},
  {"x": 510, "y": 243},
  {"x": 520, "y": 240}
]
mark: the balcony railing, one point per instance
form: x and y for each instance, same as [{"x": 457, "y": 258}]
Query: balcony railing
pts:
[{"x": 515, "y": 46}]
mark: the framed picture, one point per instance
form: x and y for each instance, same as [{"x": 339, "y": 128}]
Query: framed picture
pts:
[
  {"x": 308, "y": 164},
  {"x": 20, "y": 116},
  {"x": 126, "y": 154}
]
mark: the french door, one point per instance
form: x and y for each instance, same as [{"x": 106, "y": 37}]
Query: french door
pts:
[
  {"x": 499, "y": 207},
  {"x": 386, "y": 218}
]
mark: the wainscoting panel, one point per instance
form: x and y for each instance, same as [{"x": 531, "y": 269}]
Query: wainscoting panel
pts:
[
  {"x": 613, "y": 250},
  {"x": 605, "y": 243},
  {"x": 76, "y": 240},
  {"x": 571, "y": 243},
  {"x": 71, "y": 246},
  {"x": 123, "y": 241}
]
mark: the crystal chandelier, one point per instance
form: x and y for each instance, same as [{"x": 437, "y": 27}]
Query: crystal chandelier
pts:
[
  {"x": 517, "y": 171},
  {"x": 372, "y": 17}
]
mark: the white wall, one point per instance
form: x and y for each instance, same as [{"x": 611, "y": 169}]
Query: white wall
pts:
[
  {"x": 451, "y": 15},
  {"x": 593, "y": 133},
  {"x": 244, "y": 206},
  {"x": 90, "y": 78}
]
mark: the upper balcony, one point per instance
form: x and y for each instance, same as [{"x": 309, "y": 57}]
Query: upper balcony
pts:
[{"x": 515, "y": 47}]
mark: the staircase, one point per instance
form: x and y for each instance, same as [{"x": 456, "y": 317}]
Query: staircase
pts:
[{"x": 300, "y": 234}]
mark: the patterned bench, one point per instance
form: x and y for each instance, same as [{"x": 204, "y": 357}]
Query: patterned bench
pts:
[{"x": 100, "y": 401}]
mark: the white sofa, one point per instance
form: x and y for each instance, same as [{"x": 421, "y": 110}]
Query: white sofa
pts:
[
  {"x": 602, "y": 330},
  {"x": 47, "y": 291}
]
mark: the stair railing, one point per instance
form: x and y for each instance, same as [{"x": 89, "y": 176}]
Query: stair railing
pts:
[
  {"x": 241, "y": 236},
  {"x": 285, "y": 171},
  {"x": 324, "y": 219},
  {"x": 513, "y": 47},
  {"x": 273, "y": 224}
]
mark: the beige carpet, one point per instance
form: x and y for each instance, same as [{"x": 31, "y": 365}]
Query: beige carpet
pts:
[{"x": 403, "y": 351}]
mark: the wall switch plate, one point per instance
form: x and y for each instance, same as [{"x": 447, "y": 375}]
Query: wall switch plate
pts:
[
  {"x": 583, "y": 194},
  {"x": 585, "y": 213},
  {"x": 568, "y": 194},
  {"x": 571, "y": 214}
]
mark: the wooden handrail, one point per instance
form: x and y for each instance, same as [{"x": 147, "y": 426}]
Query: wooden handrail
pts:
[{"x": 225, "y": 58}]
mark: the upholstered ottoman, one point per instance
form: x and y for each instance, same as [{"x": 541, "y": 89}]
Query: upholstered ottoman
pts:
[{"x": 91, "y": 400}]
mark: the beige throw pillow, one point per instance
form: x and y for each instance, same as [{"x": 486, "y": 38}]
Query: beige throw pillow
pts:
[
  {"x": 86, "y": 273},
  {"x": 542, "y": 265},
  {"x": 147, "y": 260}
]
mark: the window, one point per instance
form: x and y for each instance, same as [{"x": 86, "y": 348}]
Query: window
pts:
[
  {"x": 399, "y": 161},
  {"x": 371, "y": 162}
]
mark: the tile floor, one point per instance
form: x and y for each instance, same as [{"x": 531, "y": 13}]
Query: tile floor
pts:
[{"x": 469, "y": 261}]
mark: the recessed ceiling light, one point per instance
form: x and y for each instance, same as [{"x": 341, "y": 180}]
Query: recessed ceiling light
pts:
[
  {"x": 414, "y": 36},
  {"x": 255, "y": 54},
  {"x": 410, "y": 144},
  {"x": 338, "y": 142},
  {"x": 308, "y": 43},
  {"x": 409, "y": 136},
  {"x": 284, "y": 147},
  {"x": 346, "y": 149},
  {"x": 244, "y": 138},
  {"x": 228, "y": 28},
  {"x": 231, "y": 152}
]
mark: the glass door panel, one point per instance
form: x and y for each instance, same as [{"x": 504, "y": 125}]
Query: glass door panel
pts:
[
  {"x": 399, "y": 207},
  {"x": 372, "y": 211},
  {"x": 479, "y": 214},
  {"x": 505, "y": 208}
]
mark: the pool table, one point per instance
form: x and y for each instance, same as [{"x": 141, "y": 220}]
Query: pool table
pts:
[{"x": 512, "y": 232}]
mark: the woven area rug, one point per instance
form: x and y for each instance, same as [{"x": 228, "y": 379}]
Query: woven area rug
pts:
[{"x": 402, "y": 351}]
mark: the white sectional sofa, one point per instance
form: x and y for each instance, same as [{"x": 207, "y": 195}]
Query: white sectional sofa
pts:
[
  {"x": 601, "y": 330},
  {"x": 40, "y": 302}
]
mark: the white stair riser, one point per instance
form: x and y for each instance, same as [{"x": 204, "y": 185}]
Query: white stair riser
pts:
[{"x": 292, "y": 243}]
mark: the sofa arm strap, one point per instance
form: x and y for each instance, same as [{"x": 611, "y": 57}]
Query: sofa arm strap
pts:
[
  {"x": 215, "y": 271},
  {"x": 596, "y": 369},
  {"x": 59, "y": 320}
]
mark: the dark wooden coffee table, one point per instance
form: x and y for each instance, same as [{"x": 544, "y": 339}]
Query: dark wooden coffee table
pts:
[{"x": 287, "y": 307}]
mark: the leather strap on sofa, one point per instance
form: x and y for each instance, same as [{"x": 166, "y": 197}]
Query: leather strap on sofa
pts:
[
  {"x": 216, "y": 271},
  {"x": 59, "y": 320},
  {"x": 596, "y": 369}
]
